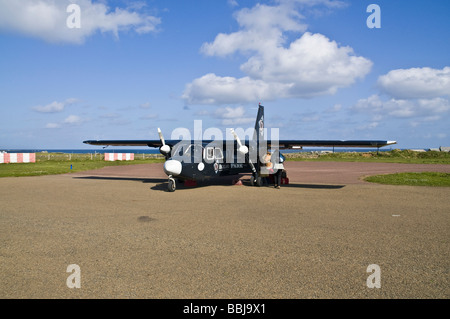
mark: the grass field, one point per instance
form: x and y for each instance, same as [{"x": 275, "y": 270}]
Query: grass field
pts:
[
  {"x": 412, "y": 179},
  {"x": 394, "y": 156}
]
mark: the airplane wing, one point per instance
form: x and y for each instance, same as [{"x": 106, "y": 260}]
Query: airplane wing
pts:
[
  {"x": 149, "y": 143},
  {"x": 282, "y": 144},
  {"x": 292, "y": 144}
]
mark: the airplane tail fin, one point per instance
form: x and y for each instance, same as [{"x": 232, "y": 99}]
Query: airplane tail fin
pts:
[
  {"x": 258, "y": 135},
  {"x": 259, "y": 125}
]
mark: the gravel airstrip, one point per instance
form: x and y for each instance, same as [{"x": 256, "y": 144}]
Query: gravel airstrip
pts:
[{"x": 313, "y": 238}]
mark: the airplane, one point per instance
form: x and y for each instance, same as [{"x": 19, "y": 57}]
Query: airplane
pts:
[{"x": 199, "y": 160}]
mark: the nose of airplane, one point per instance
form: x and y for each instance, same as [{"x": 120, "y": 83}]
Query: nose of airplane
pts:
[{"x": 172, "y": 167}]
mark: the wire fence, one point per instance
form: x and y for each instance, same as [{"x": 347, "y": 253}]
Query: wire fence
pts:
[{"x": 42, "y": 157}]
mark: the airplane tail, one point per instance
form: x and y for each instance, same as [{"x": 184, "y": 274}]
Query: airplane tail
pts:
[
  {"x": 265, "y": 158},
  {"x": 258, "y": 135},
  {"x": 259, "y": 125}
]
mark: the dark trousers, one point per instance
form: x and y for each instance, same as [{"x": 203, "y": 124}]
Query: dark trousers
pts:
[{"x": 278, "y": 178}]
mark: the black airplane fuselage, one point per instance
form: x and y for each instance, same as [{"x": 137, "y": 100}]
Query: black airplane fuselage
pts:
[{"x": 205, "y": 160}]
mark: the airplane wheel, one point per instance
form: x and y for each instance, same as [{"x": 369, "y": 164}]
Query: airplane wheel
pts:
[
  {"x": 259, "y": 181},
  {"x": 252, "y": 181},
  {"x": 171, "y": 185}
]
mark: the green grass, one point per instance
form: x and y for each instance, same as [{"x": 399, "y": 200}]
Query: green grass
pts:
[
  {"x": 412, "y": 179},
  {"x": 58, "y": 163},
  {"x": 394, "y": 156}
]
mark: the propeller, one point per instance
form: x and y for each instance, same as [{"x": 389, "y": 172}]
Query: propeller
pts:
[
  {"x": 243, "y": 149},
  {"x": 164, "y": 149}
]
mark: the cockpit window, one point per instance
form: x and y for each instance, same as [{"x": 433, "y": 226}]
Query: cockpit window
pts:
[{"x": 180, "y": 150}]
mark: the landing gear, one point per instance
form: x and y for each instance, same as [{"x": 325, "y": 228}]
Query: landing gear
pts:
[
  {"x": 172, "y": 185},
  {"x": 259, "y": 181},
  {"x": 256, "y": 181},
  {"x": 252, "y": 180}
]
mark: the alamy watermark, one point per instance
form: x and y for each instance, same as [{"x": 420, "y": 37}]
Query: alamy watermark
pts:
[
  {"x": 373, "y": 20},
  {"x": 374, "y": 280},
  {"x": 74, "y": 279},
  {"x": 73, "y": 21}
]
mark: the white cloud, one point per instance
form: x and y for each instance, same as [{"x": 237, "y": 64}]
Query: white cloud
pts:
[
  {"x": 68, "y": 121},
  {"x": 50, "y": 108},
  {"x": 55, "y": 106},
  {"x": 416, "y": 83},
  {"x": 230, "y": 113},
  {"x": 73, "y": 120},
  {"x": 213, "y": 89},
  {"x": 418, "y": 94},
  {"x": 425, "y": 109},
  {"x": 53, "y": 125},
  {"x": 261, "y": 28},
  {"x": 312, "y": 65},
  {"x": 47, "y": 20},
  {"x": 232, "y": 116},
  {"x": 233, "y": 3},
  {"x": 309, "y": 66}
]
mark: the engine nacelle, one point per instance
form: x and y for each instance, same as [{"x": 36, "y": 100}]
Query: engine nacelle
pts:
[
  {"x": 164, "y": 149},
  {"x": 243, "y": 149}
]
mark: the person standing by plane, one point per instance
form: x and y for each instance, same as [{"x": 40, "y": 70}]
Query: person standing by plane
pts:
[
  {"x": 277, "y": 164},
  {"x": 267, "y": 168}
]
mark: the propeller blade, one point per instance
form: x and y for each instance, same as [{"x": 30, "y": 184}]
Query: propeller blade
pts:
[
  {"x": 236, "y": 137},
  {"x": 164, "y": 149},
  {"x": 161, "y": 137}
]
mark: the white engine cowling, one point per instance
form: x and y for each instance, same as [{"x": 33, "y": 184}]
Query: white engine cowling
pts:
[
  {"x": 164, "y": 149},
  {"x": 243, "y": 149}
]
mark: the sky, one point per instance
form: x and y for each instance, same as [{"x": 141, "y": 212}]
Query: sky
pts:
[{"x": 324, "y": 69}]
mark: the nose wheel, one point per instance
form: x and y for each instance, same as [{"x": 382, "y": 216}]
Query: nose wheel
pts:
[{"x": 172, "y": 185}]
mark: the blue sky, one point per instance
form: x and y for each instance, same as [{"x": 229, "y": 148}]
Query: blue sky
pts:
[{"x": 134, "y": 66}]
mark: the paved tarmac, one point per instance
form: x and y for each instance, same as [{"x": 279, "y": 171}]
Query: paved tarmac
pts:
[{"x": 314, "y": 238}]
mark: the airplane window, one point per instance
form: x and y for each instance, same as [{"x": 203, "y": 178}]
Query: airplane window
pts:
[
  {"x": 182, "y": 152},
  {"x": 210, "y": 153},
  {"x": 218, "y": 153},
  {"x": 213, "y": 153},
  {"x": 179, "y": 151}
]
